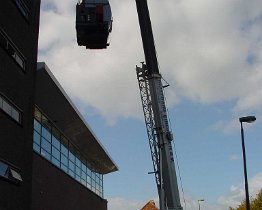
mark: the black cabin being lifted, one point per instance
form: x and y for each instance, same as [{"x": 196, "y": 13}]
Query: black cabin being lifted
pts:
[{"x": 93, "y": 23}]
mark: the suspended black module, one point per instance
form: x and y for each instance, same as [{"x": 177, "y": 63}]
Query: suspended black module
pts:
[{"x": 93, "y": 23}]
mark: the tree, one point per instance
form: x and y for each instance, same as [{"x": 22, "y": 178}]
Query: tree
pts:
[{"x": 255, "y": 204}]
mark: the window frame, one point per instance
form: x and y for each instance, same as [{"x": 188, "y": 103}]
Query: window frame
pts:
[
  {"x": 12, "y": 173},
  {"x": 23, "y": 9},
  {"x": 13, "y": 107},
  {"x": 12, "y": 50}
]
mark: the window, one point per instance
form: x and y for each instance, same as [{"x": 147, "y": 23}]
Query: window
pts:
[
  {"x": 11, "y": 49},
  {"x": 22, "y": 8},
  {"x": 46, "y": 134},
  {"x": 37, "y": 138},
  {"x": 37, "y": 126},
  {"x": 15, "y": 115},
  {"x": 19, "y": 59},
  {"x": 10, "y": 109},
  {"x": 55, "y": 147},
  {"x": 7, "y": 107},
  {"x": 3, "y": 169},
  {"x": 15, "y": 175},
  {"x": 55, "y": 143},
  {"x": 46, "y": 145},
  {"x": 9, "y": 172}
]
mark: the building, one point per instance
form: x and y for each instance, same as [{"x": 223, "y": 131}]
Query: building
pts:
[
  {"x": 68, "y": 161},
  {"x": 49, "y": 157},
  {"x": 150, "y": 206},
  {"x": 19, "y": 23}
]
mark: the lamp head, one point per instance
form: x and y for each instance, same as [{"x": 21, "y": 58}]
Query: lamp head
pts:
[{"x": 247, "y": 119}]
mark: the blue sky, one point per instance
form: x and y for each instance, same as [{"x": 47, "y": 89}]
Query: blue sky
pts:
[
  {"x": 211, "y": 54},
  {"x": 210, "y": 161}
]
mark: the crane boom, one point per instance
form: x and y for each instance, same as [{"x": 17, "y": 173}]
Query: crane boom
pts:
[{"x": 152, "y": 96}]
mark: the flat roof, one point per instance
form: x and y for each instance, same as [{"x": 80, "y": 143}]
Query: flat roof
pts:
[{"x": 56, "y": 104}]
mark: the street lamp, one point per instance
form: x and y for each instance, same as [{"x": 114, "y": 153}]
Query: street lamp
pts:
[
  {"x": 199, "y": 202},
  {"x": 247, "y": 119}
]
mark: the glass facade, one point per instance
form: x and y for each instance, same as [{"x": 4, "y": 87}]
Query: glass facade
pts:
[{"x": 50, "y": 143}]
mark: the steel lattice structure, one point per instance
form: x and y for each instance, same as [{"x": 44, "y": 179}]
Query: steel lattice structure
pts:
[{"x": 149, "y": 120}]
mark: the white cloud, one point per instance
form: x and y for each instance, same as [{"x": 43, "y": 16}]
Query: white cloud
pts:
[
  {"x": 103, "y": 79},
  {"x": 227, "y": 126},
  {"x": 192, "y": 204},
  {"x": 230, "y": 126},
  {"x": 234, "y": 157},
  {"x": 209, "y": 53},
  {"x": 233, "y": 198},
  {"x": 237, "y": 193}
]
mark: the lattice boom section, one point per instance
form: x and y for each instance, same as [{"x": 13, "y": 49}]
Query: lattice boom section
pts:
[{"x": 149, "y": 119}]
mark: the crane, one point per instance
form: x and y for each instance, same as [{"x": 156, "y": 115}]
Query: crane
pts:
[
  {"x": 156, "y": 119},
  {"x": 93, "y": 25}
]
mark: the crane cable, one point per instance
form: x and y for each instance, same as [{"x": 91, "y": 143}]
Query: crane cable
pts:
[{"x": 176, "y": 156}]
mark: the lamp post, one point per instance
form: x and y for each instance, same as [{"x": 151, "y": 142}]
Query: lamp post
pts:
[
  {"x": 247, "y": 119},
  {"x": 199, "y": 203}
]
